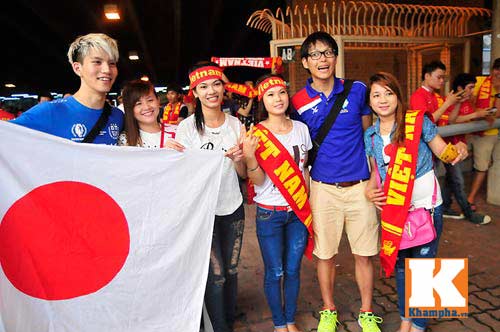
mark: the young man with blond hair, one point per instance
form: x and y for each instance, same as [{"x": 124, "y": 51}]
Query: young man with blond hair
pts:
[{"x": 85, "y": 116}]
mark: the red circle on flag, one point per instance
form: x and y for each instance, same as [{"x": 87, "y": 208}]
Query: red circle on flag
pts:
[{"x": 63, "y": 240}]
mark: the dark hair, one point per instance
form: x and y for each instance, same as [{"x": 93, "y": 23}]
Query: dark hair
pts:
[
  {"x": 389, "y": 81},
  {"x": 261, "y": 113},
  {"x": 428, "y": 68},
  {"x": 174, "y": 87},
  {"x": 315, "y": 37},
  {"x": 198, "y": 113},
  {"x": 496, "y": 64},
  {"x": 132, "y": 92},
  {"x": 44, "y": 94},
  {"x": 462, "y": 79}
]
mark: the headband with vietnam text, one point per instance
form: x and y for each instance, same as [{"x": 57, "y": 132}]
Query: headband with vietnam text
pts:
[
  {"x": 202, "y": 74},
  {"x": 269, "y": 83}
]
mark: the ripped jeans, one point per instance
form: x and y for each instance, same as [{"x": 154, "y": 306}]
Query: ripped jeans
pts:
[
  {"x": 282, "y": 240},
  {"x": 428, "y": 250},
  {"x": 222, "y": 282}
]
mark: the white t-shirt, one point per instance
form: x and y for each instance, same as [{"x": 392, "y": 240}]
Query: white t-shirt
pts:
[
  {"x": 423, "y": 188},
  {"x": 220, "y": 140},
  {"x": 297, "y": 142},
  {"x": 149, "y": 140}
]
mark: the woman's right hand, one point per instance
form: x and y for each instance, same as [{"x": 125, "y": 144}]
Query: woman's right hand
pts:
[
  {"x": 376, "y": 196},
  {"x": 173, "y": 144}
]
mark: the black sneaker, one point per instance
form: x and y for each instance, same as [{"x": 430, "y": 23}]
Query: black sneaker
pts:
[
  {"x": 452, "y": 214},
  {"x": 479, "y": 219}
]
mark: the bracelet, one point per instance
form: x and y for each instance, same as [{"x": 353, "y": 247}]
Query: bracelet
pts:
[{"x": 253, "y": 169}]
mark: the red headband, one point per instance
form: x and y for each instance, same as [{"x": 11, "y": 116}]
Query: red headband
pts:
[
  {"x": 202, "y": 74},
  {"x": 269, "y": 83}
]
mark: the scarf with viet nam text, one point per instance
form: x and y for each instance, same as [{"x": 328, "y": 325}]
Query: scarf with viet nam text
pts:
[{"x": 398, "y": 187}]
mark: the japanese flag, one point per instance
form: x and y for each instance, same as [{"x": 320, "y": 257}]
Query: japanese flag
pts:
[{"x": 102, "y": 238}]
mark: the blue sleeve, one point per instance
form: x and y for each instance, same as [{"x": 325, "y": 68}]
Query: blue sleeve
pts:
[
  {"x": 38, "y": 118},
  {"x": 429, "y": 130},
  {"x": 368, "y": 142},
  {"x": 364, "y": 107}
]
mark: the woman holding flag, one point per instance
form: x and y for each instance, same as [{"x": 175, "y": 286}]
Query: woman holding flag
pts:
[
  {"x": 276, "y": 152},
  {"x": 400, "y": 146},
  {"x": 211, "y": 129}
]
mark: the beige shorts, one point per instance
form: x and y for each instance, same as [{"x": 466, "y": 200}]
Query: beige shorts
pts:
[
  {"x": 482, "y": 149},
  {"x": 332, "y": 208}
]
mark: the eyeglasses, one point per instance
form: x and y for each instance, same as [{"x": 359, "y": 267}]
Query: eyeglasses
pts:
[{"x": 316, "y": 55}]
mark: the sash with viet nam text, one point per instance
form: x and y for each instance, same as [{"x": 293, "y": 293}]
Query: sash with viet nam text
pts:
[
  {"x": 398, "y": 187},
  {"x": 484, "y": 96},
  {"x": 285, "y": 174}
]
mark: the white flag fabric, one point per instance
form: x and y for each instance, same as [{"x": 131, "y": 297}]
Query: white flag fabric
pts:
[{"x": 102, "y": 238}]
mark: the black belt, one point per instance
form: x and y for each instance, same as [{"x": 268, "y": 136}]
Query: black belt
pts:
[{"x": 344, "y": 184}]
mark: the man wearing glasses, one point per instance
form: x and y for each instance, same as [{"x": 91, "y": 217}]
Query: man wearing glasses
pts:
[{"x": 339, "y": 175}]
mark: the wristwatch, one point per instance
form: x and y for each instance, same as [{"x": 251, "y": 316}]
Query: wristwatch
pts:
[{"x": 497, "y": 95}]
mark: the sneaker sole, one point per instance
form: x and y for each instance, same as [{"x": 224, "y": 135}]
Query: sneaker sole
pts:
[{"x": 449, "y": 216}]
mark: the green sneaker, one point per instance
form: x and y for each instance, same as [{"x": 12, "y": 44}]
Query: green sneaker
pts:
[
  {"x": 368, "y": 322},
  {"x": 328, "y": 321}
]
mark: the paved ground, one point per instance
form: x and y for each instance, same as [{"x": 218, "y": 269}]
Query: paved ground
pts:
[{"x": 460, "y": 239}]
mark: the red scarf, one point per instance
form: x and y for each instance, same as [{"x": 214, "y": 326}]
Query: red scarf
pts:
[
  {"x": 279, "y": 165},
  {"x": 171, "y": 114},
  {"x": 398, "y": 187},
  {"x": 273, "y": 63}
]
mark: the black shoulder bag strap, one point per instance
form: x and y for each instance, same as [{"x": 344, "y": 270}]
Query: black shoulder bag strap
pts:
[
  {"x": 99, "y": 125},
  {"x": 334, "y": 111},
  {"x": 329, "y": 121}
]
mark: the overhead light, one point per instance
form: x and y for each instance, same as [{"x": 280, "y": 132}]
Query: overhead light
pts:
[
  {"x": 111, "y": 12},
  {"x": 133, "y": 55},
  {"x": 10, "y": 85},
  {"x": 145, "y": 78}
]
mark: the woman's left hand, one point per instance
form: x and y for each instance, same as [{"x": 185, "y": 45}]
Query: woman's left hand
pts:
[
  {"x": 463, "y": 152},
  {"x": 235, "y": 153}
]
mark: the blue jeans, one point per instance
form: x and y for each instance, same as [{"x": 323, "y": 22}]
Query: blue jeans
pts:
[
  {"x": 428, "y": 250},
  {"x": 454, "y": 184},
  {"x": 282, "y": 240},
  {"x": 222, "y": 282}
]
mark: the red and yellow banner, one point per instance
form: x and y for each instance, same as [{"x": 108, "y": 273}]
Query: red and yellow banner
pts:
[
  {"x": 279, "y": 165},
  {"x": 273, "y": 63},
  {"x": 398, "y": 187}
]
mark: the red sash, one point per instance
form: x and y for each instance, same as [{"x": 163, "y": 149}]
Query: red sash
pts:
[
  {"x": 398, "y": 187},
  {"x": 484, "y": 96},
  {"x": 279, "y": 165}
]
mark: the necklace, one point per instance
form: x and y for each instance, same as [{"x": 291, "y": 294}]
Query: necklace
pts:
[
  {"x": 384, "y": 130},
  {"x": 282, "y": 128}
]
